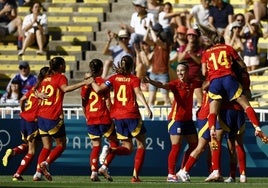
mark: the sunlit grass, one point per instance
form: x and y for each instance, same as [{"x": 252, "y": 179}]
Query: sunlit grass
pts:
[{"x": 124, "y": 181}]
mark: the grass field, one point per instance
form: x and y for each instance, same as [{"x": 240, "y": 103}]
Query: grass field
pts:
[{"x": 124, "y": 182}]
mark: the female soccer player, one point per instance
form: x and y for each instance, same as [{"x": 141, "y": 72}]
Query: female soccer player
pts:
[
  {"x": 96, "y": 109},
  {"x": 125, "y": 112},
  {"x": 180, "y": 124},
  {"x": 28, "y": 128},
  {"x": 50, "y": 113},
  {"x": 217, "y": 62}
]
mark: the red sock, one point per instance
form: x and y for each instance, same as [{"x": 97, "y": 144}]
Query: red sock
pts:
[
  {"x": 139, "y": 159},
  {"x": 209, "y": 159},
  {"x": 55, "y": 153},
  {"x": 25, "y": 163},
  {"x": 191, "y": 148},
  {"x": 172, "y": 158},
  {"x": 114, "y": 144},
  {"x": 23, "y": 148},
  {"x": 216, "y": 154},
  {"x": 190, "y": 163},
  {"x": 212, "y": 120},
  {"x": 241, "y": 156},
  {"x": 252, "y": 116},
  {"x": 94, "y": 158},
  {"x": 121, "y": 150},
  {"x": 43, "y": 156}
]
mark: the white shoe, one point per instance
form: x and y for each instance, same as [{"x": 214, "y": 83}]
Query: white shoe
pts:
[
  {"x": 184, "y": 176},
  {"x": 104, "y": 171},
  {"x": 37, "y": 176},
  {"x": 45, "y": 170},
  {"x": 229, "y": 180},
  {"x": 243, "y": 178},
  {"x": 214, "y": 176},
  {"x": 94, "y": 176},
  {"x": 172, "y": 178},
  {"x": 104, "y": 153}
]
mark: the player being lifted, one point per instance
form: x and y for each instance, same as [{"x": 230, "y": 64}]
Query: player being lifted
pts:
[{"x": 217, "y": 62}]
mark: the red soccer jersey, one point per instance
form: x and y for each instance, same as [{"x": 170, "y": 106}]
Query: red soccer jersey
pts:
[
  {"x": 218, "y": 60},
  {"x": 96, "y": 110},
  {"x": 31, "y": 108},
  {"x": 204, "y": 109},
  {"x": 183, "y": 100},
  {"x": 125, "y": 105},
  {"x": 51, "y": 108}
]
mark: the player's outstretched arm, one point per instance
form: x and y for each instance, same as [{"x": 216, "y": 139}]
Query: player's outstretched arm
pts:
[{"x": 155, "y": 83}]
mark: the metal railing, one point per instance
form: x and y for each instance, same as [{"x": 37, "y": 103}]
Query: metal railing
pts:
[{"x": 75, "y": 111}]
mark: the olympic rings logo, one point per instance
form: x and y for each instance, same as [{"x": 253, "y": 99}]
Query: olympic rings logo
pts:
[{"x": 4, "y": 138}]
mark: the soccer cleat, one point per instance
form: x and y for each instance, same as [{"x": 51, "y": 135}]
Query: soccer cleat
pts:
[
  {"x": 44, "y": 169},
  {"x": 135, "y": 179},
  {"x": 214, "y": 177},
  {"x": 243, "y": 178},
  {"x": 6, "y": 157},
  {"x": 229, "y": 180},
  {"x": 184, "y": 176},
  {"x": 104, "y": 153},
  {"x": 37, "y": 176},
  {"x": 94, "y": 177},
  {"x": 17, "y": 177},
  {"x": 105, "y": 173},
  {"x": 172, "y": 178}
]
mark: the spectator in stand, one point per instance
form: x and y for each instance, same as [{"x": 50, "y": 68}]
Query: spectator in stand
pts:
[
  {"x": 24, "y": 2},
  {"x": 26, "y": 78},
  {"x": 259, "y": 11},
  {"x": 191, "y": 54},
  {"x": 154, "y": 7},
  {"x": 10, "y": 22},
  {"x": 251, "y": 55},
  {"x": 117, "y": 51},
  {"x": 171, "y": 20},
  {"x": 179, "y": 39},
  {"x": 35, "y": 29},
  {"x": 200, "y": 14},
  {"x": 14, "y": 93},
  {"x": 140, "y": 21},
  {"x": 156, "y": 37},
  {"x": 220, "y": 15},
  {"x": 239, "y": 19},
  {"x": 144, "y": 57},
  {"x": 234, "y": 39}
]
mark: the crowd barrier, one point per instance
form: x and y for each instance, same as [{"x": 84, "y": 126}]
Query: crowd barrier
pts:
[{"x": 75, "y": 159}]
